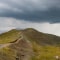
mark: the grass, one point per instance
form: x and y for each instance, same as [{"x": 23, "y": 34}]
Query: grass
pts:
[
  {"x": 9, "y": 36},
  {"x": 7, "y": 54},
  {"x": 45, "y": 52}
]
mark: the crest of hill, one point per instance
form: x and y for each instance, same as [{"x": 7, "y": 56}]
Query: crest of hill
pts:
[
  {"x": 41, "y": 38},
  {"x": 32, "y": 35}
]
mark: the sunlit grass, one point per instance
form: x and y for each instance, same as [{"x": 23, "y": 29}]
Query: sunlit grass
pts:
[
  {"x": 7, "y": 53},
  {"x": 45, "y": 52},
  {"x": 9, "y": 36}
]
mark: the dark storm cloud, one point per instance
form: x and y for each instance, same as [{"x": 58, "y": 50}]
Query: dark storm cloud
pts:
[{"x": 31, "y": 10}]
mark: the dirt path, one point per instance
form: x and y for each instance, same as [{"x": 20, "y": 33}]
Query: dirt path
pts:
[{"x": 4, "y": 45}]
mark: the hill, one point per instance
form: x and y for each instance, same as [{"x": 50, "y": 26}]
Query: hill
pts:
[
  {"x": 29, "y": 44},
  {"x": 41, "y": 38}
]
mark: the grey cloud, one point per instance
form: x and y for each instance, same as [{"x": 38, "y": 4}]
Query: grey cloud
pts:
[{"x": 31, "y": 10}]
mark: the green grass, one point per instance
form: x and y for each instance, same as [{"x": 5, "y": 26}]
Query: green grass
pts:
[
  {"x": 45, "y": 52},
  {"x": 7, "y": 54},
  {"x": 9, "y": 36}
]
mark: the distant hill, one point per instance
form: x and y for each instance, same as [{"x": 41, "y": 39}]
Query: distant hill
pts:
[{"x": 28, "y": 44}]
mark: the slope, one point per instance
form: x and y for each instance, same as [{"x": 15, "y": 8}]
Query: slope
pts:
[
  {"x": 29, "y": 44},
  {"x": 45, "y": 46},
  {"x": 41, "y": 38}
]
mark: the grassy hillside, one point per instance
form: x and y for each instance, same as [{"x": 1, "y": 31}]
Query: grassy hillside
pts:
[
  {"x": 9, "y": 36},
  {"x": 41, "y": 38},
  {"x": 32, "y": 45},
  {"x": 46, "y": 52},
  {"x": 45, "y": 46}
]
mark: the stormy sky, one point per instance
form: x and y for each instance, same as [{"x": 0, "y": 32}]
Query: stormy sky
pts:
[{"x": 43, "y": 15}]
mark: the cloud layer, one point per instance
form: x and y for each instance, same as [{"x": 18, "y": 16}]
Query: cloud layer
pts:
[{"x": 31, "y": 10}]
